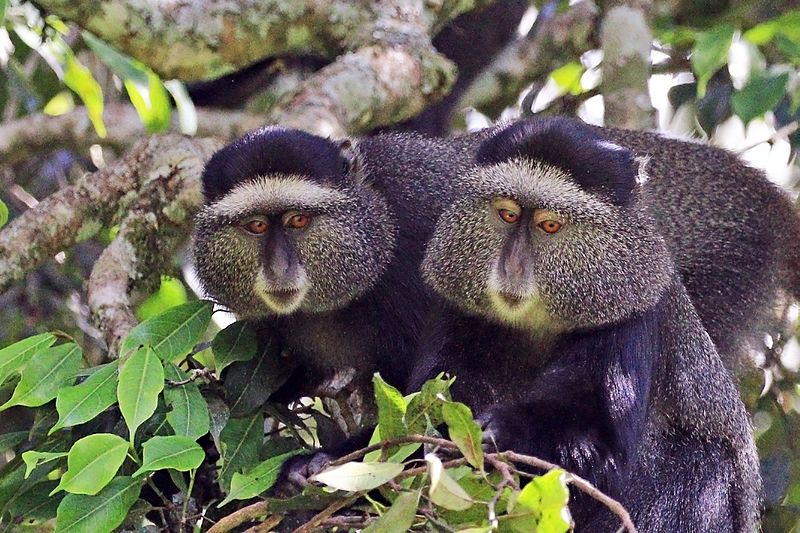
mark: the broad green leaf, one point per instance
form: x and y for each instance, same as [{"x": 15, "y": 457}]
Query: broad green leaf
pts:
[
  {"x": 568, "y": 77},
  {"x": 80, "y": 403},
  {"x": 391, "y": 409},
  {"x": 789, "y": 48},
  {"x": 710, "y": 53},
  {"x": 10, "y": 440},
  {"x": 151, "y": 102},
  {"x": 45, "y": 373},
  {"x": 189, "y": 413},
  {"x": 141, "y": 380},
  {"x": 762, "y": 93},
  {"x": 147, "y": 93},
  {"x": 172, "y": 333},
  {"x": 101, "y": 513},
  {"x": 355, "y": 477},
  {"x": 14, "y": 356},
  {"x": 426, "y": 406},
  {"x": 248, "y": 384},
  {"x": 444, "y": 490},
  {"x": 787, "y": 25},
  {"x": 175, "y": 451},
  {"x": 218, "y": 414},
  {"x": 32, "y": 459},
  {"x": 3, "y": 206},
  {"x": 35, "y": 503},
  {"x": 171, "y": 293},
  {"x": 258, "y": 479},
  {"x": 400, "y": 516},
  {"x": 61, "y": 103},
  {"x": 237, "y": 342},
  {"x": 240, "y": 442},
  {"x": 2, "y": 17},
  {"x": 464, "y": 431},
  {"x": 79, "y": 78},
  {"x": 542, "y": 505},
  {"x": 92, "y": 463}
]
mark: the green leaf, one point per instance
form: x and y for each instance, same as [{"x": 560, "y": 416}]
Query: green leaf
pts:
[
  {"x": 79, "y": 78},
  {"x": 237, "y": 342},
  {"x": 248, "y": 384},
  {"x": 464, "y": 431},
  {"x": 788, "y": 25},
  {"x": 80, "y": 403},
  {"x": 762, "y": 93},
  {"x": 101, "y": 513},
  {"x": 3, "y": 206},
  {"x": 789, "y": 48},
  {"x": 444, "y": 490},
  {"x": 10, "y": 440},
  {"x": 14, "y": 356},
  {"x": 356, "y": 477},
  {"x": 260, "y": 478},
  {"x": 391, "y": 409},
  {"x": 568, "y": 77},
  {"x": 189, "y": 413},
  {"x": 240, "y": 442},
  {"x": 141, "y": 380},
  {"x": 34, "y": 504},
  {"x": 144, "y": 87},
  {"x": 400, "y": 516},
  {"x": 175, "y": 451},
  {"x": 2, "y": 17},
  {"x": 92, "y": 463},
  {"x": 426, "y": 406},
  {"x": 171, "y": 293},
  {"x": 710, "y": 53},
  {"x": 172, "y": 333},
  {"x": 542, "y": 505},
  {"x": 44, "y": 374},
  {"x": 32, "y": 459}
]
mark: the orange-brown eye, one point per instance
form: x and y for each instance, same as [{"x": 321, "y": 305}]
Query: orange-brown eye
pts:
[
  {"x": 256, "y": 227},
  {"x": 298, "y": 221},
  {"x": 508, "y": 216},
  {"x": 550, "y": 226}
]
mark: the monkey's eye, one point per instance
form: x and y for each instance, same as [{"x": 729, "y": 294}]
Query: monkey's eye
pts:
[
  {"x": 296, "y": 220},
  {"x": 547, "y": 221},
  {"x": 255, "y": 226},
  {"x": 550, "y": 226},
  {"x": 508, "y": 216},
  {"x": 508, "y": 210}
]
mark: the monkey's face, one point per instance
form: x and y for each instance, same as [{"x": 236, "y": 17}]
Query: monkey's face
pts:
[
  {"x": 279, "y": 244},
  {"x": 528, "y": 247}
]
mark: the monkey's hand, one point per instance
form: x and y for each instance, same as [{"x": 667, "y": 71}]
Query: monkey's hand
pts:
[{"x": 297, "y": 471}]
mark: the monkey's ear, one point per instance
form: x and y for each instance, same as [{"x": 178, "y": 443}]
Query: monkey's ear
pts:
[{"x": 350, "y": 159}]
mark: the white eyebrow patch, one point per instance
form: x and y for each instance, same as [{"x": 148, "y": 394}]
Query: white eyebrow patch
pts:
[{"x": 275, "y": 191}]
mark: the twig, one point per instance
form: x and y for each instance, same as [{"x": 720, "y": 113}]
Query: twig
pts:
[
  {"x": 267, "y": 525},
  {"x": 578, "y": 482},
  {"x": 237, "y": 518},
  {"x": 422, "y": 439},
  {"x": 784, "y": 131},
  {"x": 326, "y": 513}
]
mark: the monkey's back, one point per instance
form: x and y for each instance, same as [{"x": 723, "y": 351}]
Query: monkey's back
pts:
[{"x": 732, "y": 233}]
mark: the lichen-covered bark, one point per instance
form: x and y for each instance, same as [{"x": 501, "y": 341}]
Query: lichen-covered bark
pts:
[
  {"x": 193, "y": 40},
  {"x": 150, "y": 231},
  {"x": 39, "y": 133},
  {"x": 626, "y": 41}
]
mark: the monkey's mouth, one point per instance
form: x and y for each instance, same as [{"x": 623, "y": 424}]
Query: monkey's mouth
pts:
[
  {"x": 282, "y": 301},
  {"x": 513, "y": 301}
]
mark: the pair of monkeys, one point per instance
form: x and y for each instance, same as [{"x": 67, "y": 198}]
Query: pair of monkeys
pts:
[{"x": 586, "y": 286}]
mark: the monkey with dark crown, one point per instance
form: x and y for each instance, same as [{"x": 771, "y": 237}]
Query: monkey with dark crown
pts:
[
  {"x": 318, "y": 242},
  {"x": 573, "y": 339}
]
